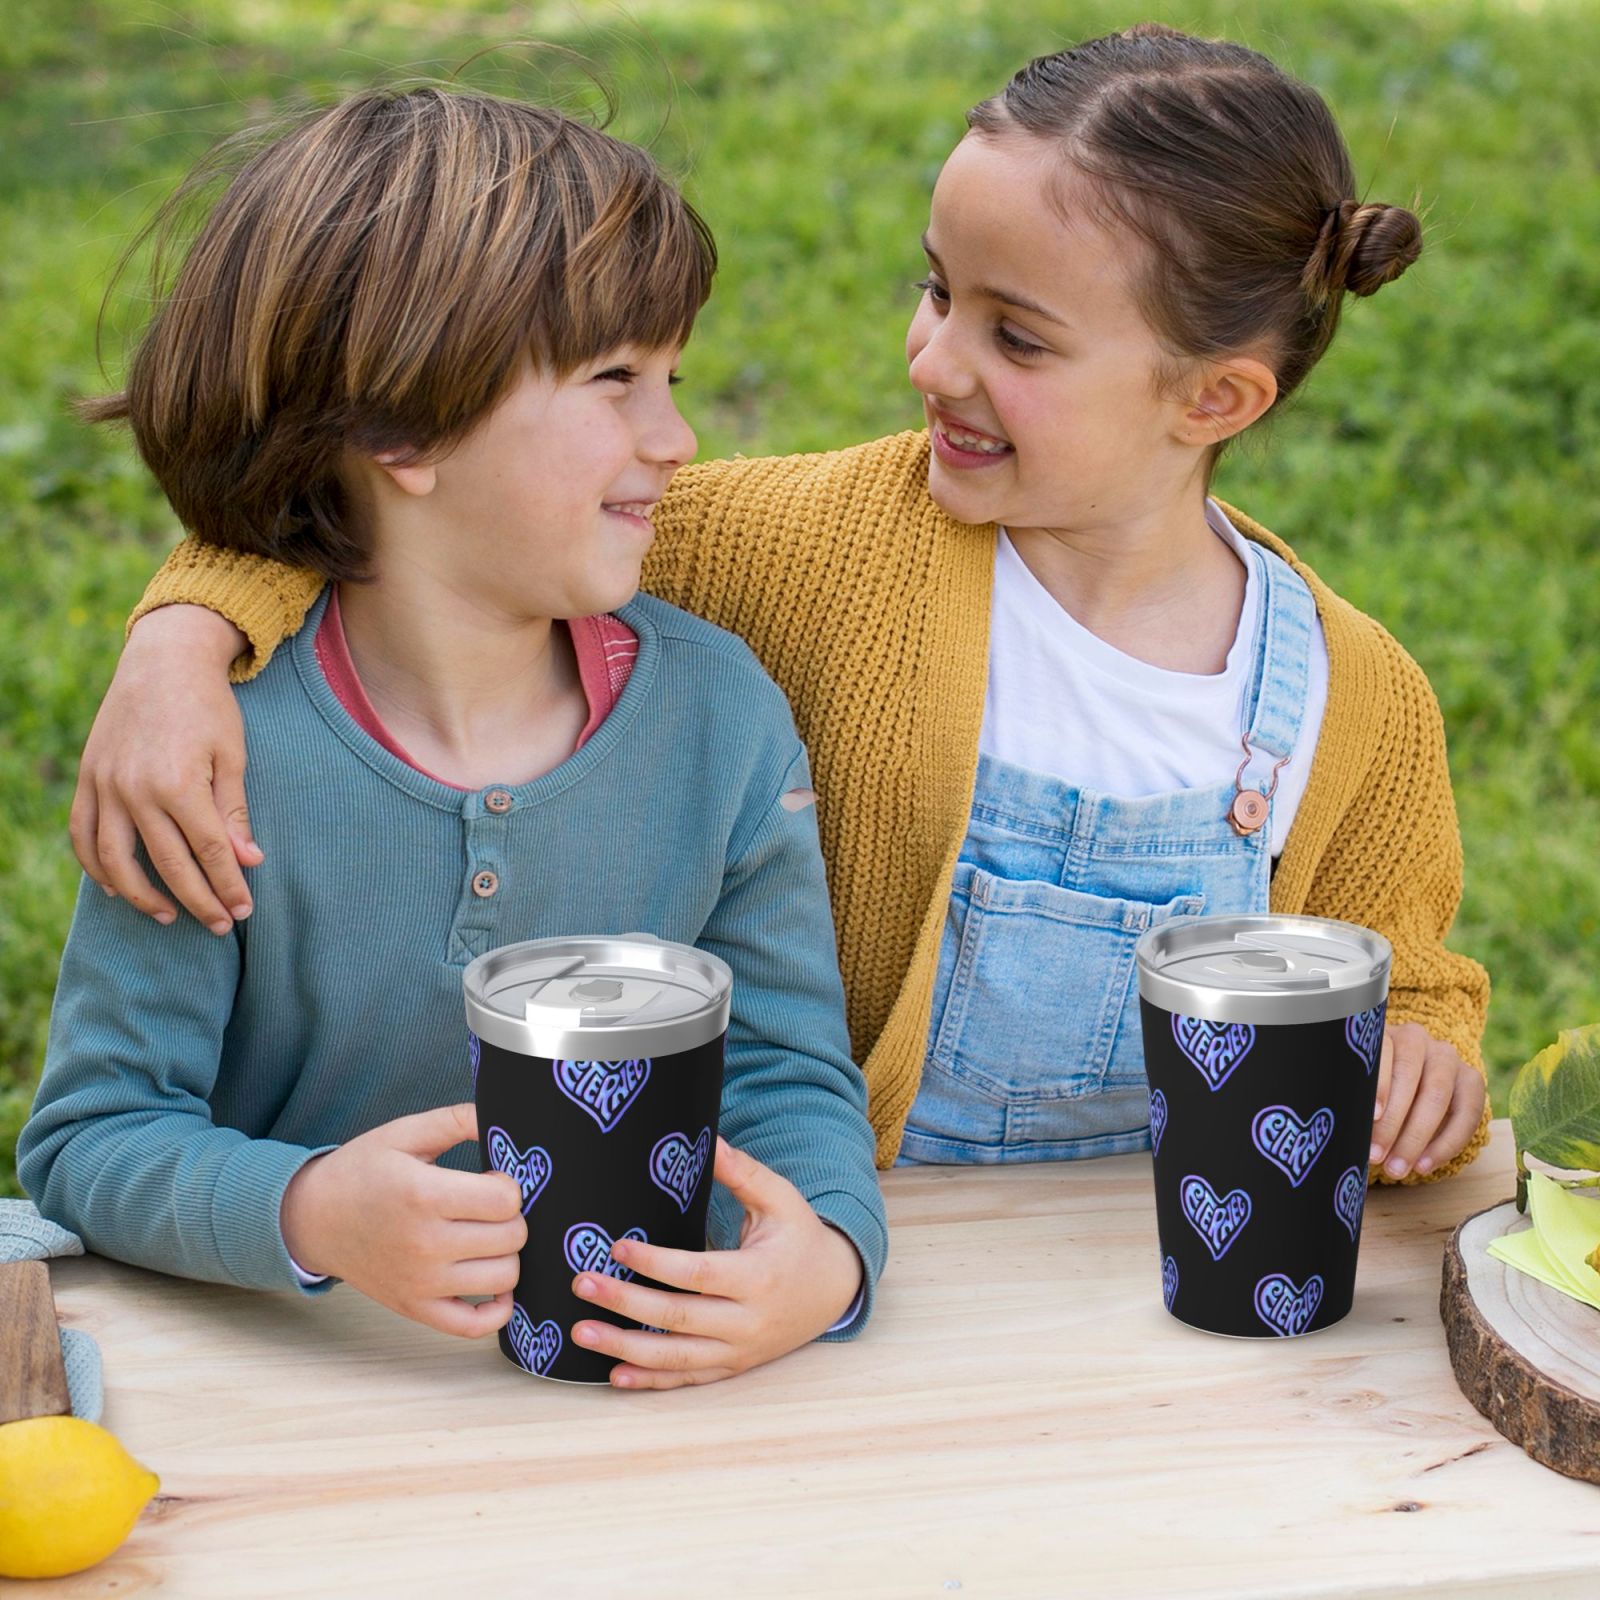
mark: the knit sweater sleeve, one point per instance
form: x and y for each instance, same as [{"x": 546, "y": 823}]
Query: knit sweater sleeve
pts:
[
  {"x": 1394, "y": 863},
  {"x": 265, "y": 600}
]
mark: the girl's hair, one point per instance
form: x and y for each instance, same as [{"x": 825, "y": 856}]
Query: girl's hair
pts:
[
  {"x": 1233, "y": 172},
  {"x": 376, "y": 279}
]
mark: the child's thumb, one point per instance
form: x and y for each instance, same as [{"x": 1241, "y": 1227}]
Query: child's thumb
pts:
[
  {"x": 428, "y": 1134},
  {"x": 759, "y": 1189}
]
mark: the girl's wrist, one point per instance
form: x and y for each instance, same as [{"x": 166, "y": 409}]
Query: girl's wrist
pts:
[{"x": 198, "y": 635}]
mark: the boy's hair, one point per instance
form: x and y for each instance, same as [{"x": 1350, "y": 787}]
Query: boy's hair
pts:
[
  {"x": 376, "y": 278},
  {"x": 1236, "y": 176}
]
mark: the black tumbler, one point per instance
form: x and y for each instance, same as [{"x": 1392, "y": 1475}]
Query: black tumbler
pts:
[
  {"x": 607, "y": 1147},
  {"x": 1261, "y": 1044}
]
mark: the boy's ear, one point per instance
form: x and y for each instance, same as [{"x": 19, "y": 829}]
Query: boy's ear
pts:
[
  {"x": 409, "y": 477},
  {"x": 1235, "y": 393}
]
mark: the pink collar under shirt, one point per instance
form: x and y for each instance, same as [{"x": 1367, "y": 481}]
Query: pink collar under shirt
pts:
[{"x": 605, "y": 646}]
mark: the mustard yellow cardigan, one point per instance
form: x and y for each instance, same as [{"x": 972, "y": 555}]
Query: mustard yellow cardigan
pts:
[{"x": 870, "y": 607}]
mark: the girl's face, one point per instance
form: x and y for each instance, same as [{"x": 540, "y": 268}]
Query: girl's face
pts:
[{"x": 1037, "y": 369}]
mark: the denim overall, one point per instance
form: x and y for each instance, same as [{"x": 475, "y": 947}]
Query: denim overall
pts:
[{"x": 1034, "y": 1044}]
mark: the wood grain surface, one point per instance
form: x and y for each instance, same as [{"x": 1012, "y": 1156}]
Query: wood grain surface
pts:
[
  {"x": 1527, "y": 1356},
  {"x": 33, "y": 1376},
  {"x": 1021, "y": 1419}
]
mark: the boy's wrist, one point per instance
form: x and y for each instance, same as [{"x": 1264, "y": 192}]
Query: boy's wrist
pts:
[
  {"x": 855, "y": 1274},
  {"x": 202, "y": 635},
  {"x": 297, "y": 1221},
  {"x": 858, "y": 1295}
]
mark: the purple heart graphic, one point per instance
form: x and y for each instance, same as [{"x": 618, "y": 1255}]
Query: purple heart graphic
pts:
[
  {"x": 1364, "y": 1034},
  {"x": 605, "y": 1089},
  {"x": 676, "y": 1166},
  {"x": 474, "y": 1050},
  {"x": 536, "y": 1347},
  {"x": 1216, "y": 1220},
  {"x": 1284, "y": 1308},
  {"x": 588, "y": 1249},
  {"x": 1158, "y": 1119},
  {"x": 1290, "y": 1144},
  {"x": 1216, "y": 1048},
  {"x": 1350, "y": 1198},
  {"x": 531, "y": 1167},
  {"x": 1169, "y": 1282}
]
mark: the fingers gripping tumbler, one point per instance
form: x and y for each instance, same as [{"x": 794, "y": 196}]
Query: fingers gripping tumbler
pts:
[
  {"x": 1261, "y": 1044},
  {"x": 597, "y": 1067}
]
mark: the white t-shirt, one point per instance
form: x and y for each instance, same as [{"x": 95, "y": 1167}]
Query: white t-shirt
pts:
[{"x": 1064, "y": 702}]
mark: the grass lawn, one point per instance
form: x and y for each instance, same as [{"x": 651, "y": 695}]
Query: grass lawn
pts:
[{"x": 1438, "y": 469}]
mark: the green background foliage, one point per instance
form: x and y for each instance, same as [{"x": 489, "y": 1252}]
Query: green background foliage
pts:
[{"x": 1438, "y": 469}]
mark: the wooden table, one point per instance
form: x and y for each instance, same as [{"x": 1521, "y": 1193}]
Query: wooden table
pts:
[{"x": 1022, "y": 1419}]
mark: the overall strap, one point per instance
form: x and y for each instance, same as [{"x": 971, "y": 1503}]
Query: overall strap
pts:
[{"x": 1278, "y": 688}]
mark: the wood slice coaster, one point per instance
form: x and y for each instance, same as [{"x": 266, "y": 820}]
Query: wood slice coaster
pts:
[
  {"x": 1527, "y": 1356},
  {"x": 33, "y": 1380}
]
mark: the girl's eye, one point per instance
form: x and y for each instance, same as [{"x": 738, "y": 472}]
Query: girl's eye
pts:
[
  {"x": 616, "y": 375},
  {"x": 1018, "y": 347},
  {"x": 934, "y": 290}
]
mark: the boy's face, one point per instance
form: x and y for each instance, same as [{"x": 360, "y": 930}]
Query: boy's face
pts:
[{"x": 543, "y": 508}]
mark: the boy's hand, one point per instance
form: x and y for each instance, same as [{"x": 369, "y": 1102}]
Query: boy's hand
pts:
[
  {"x": 165, "y": 761},
  {"x": 791, "y": 1278},
  {"x": 1429, "y": 1101},
  {"x": 412, "y": 1236}
]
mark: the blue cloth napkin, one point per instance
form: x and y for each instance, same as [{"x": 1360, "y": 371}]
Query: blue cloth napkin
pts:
[{"x": 26, "y": 1236}]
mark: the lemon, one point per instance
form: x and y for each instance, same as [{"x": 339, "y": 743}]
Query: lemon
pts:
[{"x": 69, "y": 1495}]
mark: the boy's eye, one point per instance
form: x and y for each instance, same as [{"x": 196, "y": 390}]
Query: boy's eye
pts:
[
  {"x": 934, "y": 290},
  {"x": 630, "y": 375}
]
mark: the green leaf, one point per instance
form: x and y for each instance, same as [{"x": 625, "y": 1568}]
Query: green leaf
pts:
[{"x": 1555, "y": 1102}]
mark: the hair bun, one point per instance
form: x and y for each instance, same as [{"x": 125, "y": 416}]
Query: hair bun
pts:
[{"x": 1361, "y": 248}]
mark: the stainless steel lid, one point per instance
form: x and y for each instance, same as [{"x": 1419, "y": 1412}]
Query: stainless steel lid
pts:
[
  {"x": 587, "y": 998},
  {"x": 1263, "y": 968}
]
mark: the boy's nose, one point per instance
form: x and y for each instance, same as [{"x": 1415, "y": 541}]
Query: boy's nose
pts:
[{"x": 669, "y": 440}]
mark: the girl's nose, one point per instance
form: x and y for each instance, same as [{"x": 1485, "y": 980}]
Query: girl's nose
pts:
[{"x": 937, "y": 365}]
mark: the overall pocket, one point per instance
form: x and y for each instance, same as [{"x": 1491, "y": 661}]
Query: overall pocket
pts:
[{"x": 1041, "y": 1011}]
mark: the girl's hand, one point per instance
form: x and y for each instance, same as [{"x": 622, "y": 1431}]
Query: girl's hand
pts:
[
  {"x": 1429, "y": 1101},
  {"x": 413, "y": 1236},
  {"x": 791, "y": 1278},
  {"x": 165, "y": 759}
]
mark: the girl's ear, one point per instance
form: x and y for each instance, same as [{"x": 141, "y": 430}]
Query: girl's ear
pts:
[
  {"x": 1235, "y": 393},
  {"x": 413, "y": 478}
]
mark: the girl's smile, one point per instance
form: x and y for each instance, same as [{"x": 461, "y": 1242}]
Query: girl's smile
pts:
[
  {"x": 960, "y": 445},
  {"x": 1038, "y": 371}
]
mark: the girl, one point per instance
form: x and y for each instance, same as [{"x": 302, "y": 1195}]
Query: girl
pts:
[
  {"x": 423, "y": 345},
  {"x": 1055, "y": 693}
]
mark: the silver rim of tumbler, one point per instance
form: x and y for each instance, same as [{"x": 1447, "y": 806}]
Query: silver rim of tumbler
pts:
[
  {"x": 1263, "y": 968},
  {"x": 689, "y": 1007}
]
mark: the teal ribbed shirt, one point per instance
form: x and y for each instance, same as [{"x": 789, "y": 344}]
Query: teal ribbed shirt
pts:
[{"x": 188, "y": 1077}]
